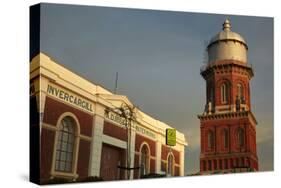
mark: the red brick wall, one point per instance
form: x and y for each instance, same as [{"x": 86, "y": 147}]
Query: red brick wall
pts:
[
  {"x": 177, "y": 171},
  {"x": 233, "y": 152},
  {"x": 47, "y": 146},
  {"x": 83, "y": 158},
  {"x": 232, "y": 125},
  {"x": 54, "y": 109},
  {"x": 232, "y": 79},
  {"x": 140, "y": 139},
  {"x": 163, "y": 166},
  {"x": 152, "y": 166},
  {"x": 165, "y": 151},
  {"x": 114, "y": 131}
]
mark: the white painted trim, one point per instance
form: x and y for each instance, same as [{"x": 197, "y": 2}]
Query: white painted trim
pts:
[
  {"x": 73, "y": 174},
  {"x": 114, "y": 141},
  {"x": 96, "y": 146}
]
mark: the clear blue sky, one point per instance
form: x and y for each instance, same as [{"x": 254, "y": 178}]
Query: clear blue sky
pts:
[{"x": 158, "y": 55}]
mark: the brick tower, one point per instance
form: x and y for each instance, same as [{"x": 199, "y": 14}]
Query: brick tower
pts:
[{"x": 227, "y": 125}]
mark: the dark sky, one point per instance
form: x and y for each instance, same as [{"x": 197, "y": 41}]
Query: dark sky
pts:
[{"x": 158, "y": 55}]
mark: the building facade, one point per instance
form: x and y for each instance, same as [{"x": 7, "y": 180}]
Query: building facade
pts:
[
  {"x": 227, "y": 126},
  {"x": 87, "y": 131}
]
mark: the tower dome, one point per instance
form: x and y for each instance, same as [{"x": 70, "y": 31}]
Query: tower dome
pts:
[{"x": 227, "y": 45}]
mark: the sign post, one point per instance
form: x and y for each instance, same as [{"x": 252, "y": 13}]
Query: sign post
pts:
[{"x": 171, "y": 139}]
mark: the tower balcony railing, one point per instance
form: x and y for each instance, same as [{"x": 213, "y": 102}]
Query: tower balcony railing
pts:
[{"x": 210, "y": 64}]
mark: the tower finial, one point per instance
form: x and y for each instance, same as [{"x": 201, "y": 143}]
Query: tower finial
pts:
[{"x": 226, "y": 25}]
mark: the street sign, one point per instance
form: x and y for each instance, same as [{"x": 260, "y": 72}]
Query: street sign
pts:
[{"x": 171, "y": 137}]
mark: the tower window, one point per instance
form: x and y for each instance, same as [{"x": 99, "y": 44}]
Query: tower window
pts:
[
  {"x": 204, "y": 165},
  {"x": 65, "y": 145},
  {"x": 215, "y": 165},
  {"x": 220, "y": 164},
  {"x": 224, "y": 93},
  {"x": 211, "y": 139},
  {"x": 240, "y": 91},
  {"x": 225, "y": 138},
  {"x": 225, "y": 164},
  {"x": 240, "y": 137},
  {"x": 209, "y": 165}
]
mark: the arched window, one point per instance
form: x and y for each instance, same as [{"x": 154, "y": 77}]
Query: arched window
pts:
[
  {"x": 170, "y": 167},
  {"x": 210, "y": 139},
  {"x": 225, "y": 164},
  {"x": 240, "y": 137},
  {"x": 65, "y": 145},
  {"x": 224, "y": 93},
  {"x": 240, "y": 91},
  {"x": 225, "y": 138},
  {"x": 144, "y": 163},
  {"x": 211, "y": 94}
]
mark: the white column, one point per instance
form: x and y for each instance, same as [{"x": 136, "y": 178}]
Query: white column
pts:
[
  {"x": 159, "y": 140},
  {"x": 41, "y": 86},
  {"x": 158, "y": 156},
  {"x": 96, "y": 145},
  {"x": 182, "y": 161},
  {"x": 133, "y": 141}
]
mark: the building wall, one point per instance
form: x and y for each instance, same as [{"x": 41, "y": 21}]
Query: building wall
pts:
[
  {"x": 115, "y": 131},
  {"x": 95, "y": 129},
  {"x": 46, "y": 155},
  {"x": 53, "y": 110},
  {"x": 83, "y": 158}
]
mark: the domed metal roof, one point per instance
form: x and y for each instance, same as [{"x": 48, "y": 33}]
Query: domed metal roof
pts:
[{"x": 227, "y": 34}]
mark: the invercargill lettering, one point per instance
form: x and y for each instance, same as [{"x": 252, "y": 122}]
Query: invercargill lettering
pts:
[{"x": 69, "y": 98}]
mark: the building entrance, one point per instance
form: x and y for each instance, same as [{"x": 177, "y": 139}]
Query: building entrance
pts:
[{"x": 111, "y": 158}]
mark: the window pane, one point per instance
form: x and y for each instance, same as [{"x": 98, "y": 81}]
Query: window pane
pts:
[
  {"x": 71, "y": 139},
  {"x": 57, "y": 165},
  {"x": 62, "y": 156},
  {"x": 62, "y": 166},
  {"x": 68, "y": 167},
  {"x": 69, "y": 147},
  {"x": 65, "y": 137},
  {"x": 69, "y": 157},
  {"x": 70, "y": 129},
  {"x": 64, "y": 146},
  {"x": 57, "y": 155}
]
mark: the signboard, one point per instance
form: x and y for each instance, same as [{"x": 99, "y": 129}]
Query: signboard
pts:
[
  {"x": 122, "y": 121},
  {"x": 145, "y": 131},
  {"x": 115, "y": 117},
  {"x": 171, "y": 137},
  {"x": 70, "y": 98}
]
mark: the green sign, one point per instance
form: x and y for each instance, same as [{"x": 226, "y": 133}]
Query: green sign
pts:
[{"x": 171, "y": 137}]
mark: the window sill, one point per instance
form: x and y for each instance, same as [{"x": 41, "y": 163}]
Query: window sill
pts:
[{"x": 64, "y": 175}]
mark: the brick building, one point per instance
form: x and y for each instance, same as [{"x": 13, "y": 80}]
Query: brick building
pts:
[
  {"x": 83, "y": 131},
  {"x": 228, "y": 126}
]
